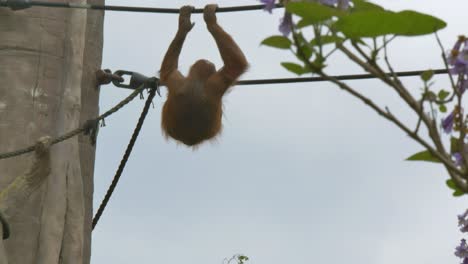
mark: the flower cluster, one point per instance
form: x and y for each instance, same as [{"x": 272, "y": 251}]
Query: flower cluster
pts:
[
  {"x": 286, "y": 21},
  {"x": 463, "y": 222},
  {"x": 458, "y": 60},
  {"x": 452, "y": 122},
  {"x": 461, "y": 251}
]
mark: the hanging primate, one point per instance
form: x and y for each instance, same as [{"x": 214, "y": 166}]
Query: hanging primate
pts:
[{"x": 193, "y": 109}]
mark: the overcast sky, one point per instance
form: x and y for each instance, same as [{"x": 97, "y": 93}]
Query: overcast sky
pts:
[{"x": 303, "y": 173}]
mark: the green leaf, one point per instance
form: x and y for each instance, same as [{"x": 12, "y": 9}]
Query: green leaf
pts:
[
  {"x": 382, "y": 22},
  {"x": 451, "y": 184},
  {"x": 442, "y": 108},
  {"x": 427, "y": 75},
  {"x": 305, "y": 23},
  {"x": 416, "y": 23},
  {"x": 279, "y": 42},
  {"x": 362, "y": 5},
  {"x": 295, "y": 68},
  {"x": 443, "y": 94},
  {"x": 423, "y": 156},
  {"x": 323, "y": 40},
  {"x": 311, "y": 12}
]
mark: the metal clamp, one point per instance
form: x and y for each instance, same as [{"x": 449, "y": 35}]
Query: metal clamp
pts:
[
  {"x": 136, "y": 80},
  {"x": 16, "y": 4},
  {"x": 106, "y": 77}
]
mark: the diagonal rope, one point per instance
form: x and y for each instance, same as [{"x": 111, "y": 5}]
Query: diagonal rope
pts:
[{"x": 125, "y": 157}]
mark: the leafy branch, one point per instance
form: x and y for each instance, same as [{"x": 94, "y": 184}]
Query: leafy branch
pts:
[{"x": 362, "y": 31}]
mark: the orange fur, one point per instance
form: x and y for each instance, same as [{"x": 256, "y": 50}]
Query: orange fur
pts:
[{"x": 193, "y": 110}]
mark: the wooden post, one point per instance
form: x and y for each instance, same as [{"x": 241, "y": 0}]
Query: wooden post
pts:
[{"x": 48, "y": 59}]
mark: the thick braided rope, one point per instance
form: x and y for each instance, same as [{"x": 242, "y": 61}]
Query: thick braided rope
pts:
[{"x": 79, "y": 130}]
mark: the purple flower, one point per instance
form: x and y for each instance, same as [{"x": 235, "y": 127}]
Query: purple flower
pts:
[
  {"x": 459, "y": 58},
  {"x": 286, "y": 24},
  {"x": 269, "y": 5},
  {"x": 462, "y": 250},
  {"x": 453, "y": 53},
  {"x": 462, "y": 85},
  {"x": 447, "y": 123},
  {"x": 463, "y": 221},
  {"x": 458, "y": 162},
  {"x": 460, "y": 65},
  {"x": 457, "y": 45}
]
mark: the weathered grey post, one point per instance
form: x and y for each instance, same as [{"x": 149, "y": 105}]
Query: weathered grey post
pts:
[{"x": 48, "y": 59}]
